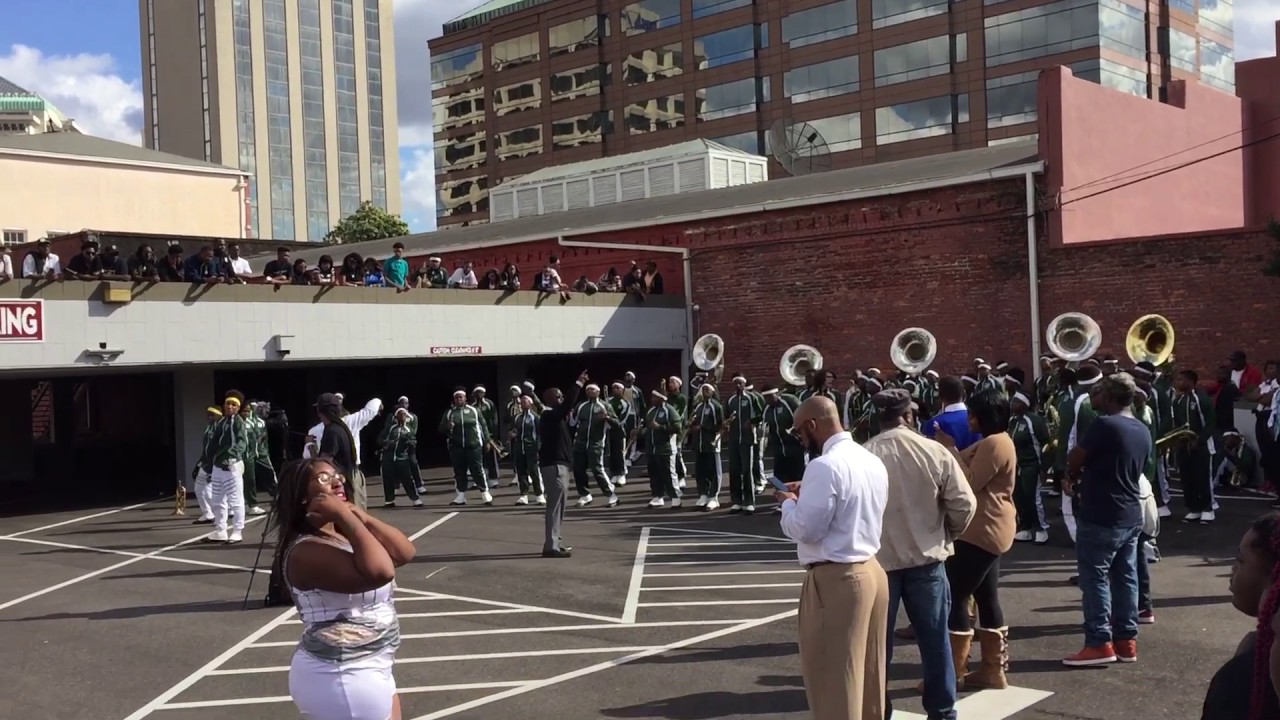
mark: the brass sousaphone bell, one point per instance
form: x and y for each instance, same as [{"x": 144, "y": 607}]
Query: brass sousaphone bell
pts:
[
  {"x": 1073, "y": 337},
  {"x": 1150, "y": 339},
  {"x": 913, "y": 350},
  {"x": 708, "y": 356},
  {"x": 796, "y": 362}
]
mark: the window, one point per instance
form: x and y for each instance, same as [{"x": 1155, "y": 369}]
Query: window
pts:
[
  {"x": 815, "y": 25},
  {"x": 13, "y": 237},
  {"x": 643, "y": 66},
  {"x": 579, "y": 82},
  {"x": 841, "y": 133},
  {"x": 279, "y": 137},
  {"x": 746, "y": 142},
  {"x": 377, "y": 129},
  {"x": 514, "y": 52},
  {"x": 587, "y": 129},
  {"x": 315, "y": 164},
  {"x": 734, "y": 98},
  {"x": 1014, "y": 139},
  {"x": 246, "y": 120},
  {"x": 1040, "y": 31},
  {"x": 1186, "y": 6},
  {"x": 1181, "y": 49},
  {"x": 1113, "y": 75},
  {"x": 660, "y": 113},
  {"x": 646, "y": 15},
  {"x": 519, "y": 143},
  {"x": 460, "y": 109},
  {"x": 577, "y": 34},
  {"x": 457, "y": 66},
  {"x": 461, "y": 152},
  {"x": 344, "y": 82},
  {"x": 519, "y": 97},
  {"x": 726, "y": 46},
  {"x": 1218, "y": 16},
  {"x": 703, "y": 8},
  {"x": 1217, "y": 68},
  {"x": 920, "y": 119},
  {"x": 913, "y": 61},
  {"x": 202, "y": 27},
  {"x": 1123, "y": 28},
  {"x": 825, "y": 79},
  {"x": 463, "y": 196},
  {"x": 1011, "y": 99},
  {"x": 893, "y": 12}
]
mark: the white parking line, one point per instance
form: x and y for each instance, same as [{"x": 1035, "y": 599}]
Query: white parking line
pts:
[
  {"x": 527, "y": 630},
  {"x": 989, "y": 704},
  {"x": 637, "y": 578},
  {"x": 458, "y": 658},
  {"x": 789, "y": 551},
  {"x": 677, "y": 533},
  {"x": 682, "y": 588},
  {"x": 127, "y": 553},
  {"x": 103, "y": 571},
  {"x": 781, "y": 571},
  {"x": 516, "y": 606},
  {"x": 455, "y": 613},
  {"x": 722, "y": 562},
  {"x": 83, "y": 518},
  {"x": 432, "y": 526},
  {"x": 709, "y": 544},
  {"x": 718, "y": 603},
  {"x": 399, "y": 690}
]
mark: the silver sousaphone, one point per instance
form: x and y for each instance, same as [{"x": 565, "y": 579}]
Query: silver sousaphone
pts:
[
  {"x": 1074, "y": 337},
  {"x": 913, "y": 350},
  {"x": 796, "y": 362},
  {"x": 708, "y": 356}
]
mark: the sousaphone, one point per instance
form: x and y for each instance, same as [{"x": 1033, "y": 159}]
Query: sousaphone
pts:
[
  {"x": 1074, "y": 337},
  {"x": 1150, "y": 339},
  {"x": 913, "y": 350},
  {"x": 708, "y": 356},
  {"x": 796, "y": 362}
]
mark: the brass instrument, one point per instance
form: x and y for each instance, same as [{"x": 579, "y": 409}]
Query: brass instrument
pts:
[
  {"x": 796, "y": 362},
  {"x": 1073, "y": 336},
  {"x": 1053, "y": 418},
  {"x": 708, "y": 356},
  {"x": 724, "y": 426},
  {"x": 1174, "y": 439},
  {"x": 1150, "y": 339},
  {"x": 180, "y": 500},
  {"x": 913, "y": 350},
  {"x": 497, "y": 447}
]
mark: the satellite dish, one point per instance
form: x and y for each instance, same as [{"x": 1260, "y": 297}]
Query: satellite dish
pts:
[{"x": 799, "y": 148}]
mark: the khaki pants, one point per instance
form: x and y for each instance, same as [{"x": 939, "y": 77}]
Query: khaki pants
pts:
[{"x": 844, "y": 611}]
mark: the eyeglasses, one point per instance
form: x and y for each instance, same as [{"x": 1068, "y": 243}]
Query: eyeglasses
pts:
[{"x": 326, "y": 478}]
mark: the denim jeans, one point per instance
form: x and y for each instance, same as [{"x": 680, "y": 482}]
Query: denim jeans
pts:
[
  {"x": 1107, "y": 559},
  {"x": 926, "y": 595}
]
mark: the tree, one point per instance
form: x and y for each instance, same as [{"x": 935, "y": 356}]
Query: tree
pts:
[
  {"x": 1273, "y": 265},
  {"x": 370, "y": 222}
]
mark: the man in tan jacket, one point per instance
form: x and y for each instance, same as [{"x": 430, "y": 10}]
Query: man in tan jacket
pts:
[{"x": 929, "y": 505}]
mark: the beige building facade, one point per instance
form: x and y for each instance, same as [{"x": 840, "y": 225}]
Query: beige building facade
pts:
[
  {"x": 300, "y": 94},
  {"x": 59, "y": 183}
]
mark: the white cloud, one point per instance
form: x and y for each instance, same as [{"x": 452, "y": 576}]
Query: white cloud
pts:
[
  {"x": 1255, "y": 22},
  {"x": 86, "y": 88},
  {"x": 418, "y": 21}
]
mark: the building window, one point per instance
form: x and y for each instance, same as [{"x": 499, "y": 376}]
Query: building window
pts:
[
  {"x": 246, "y": 120},
  {"x": 1217, "y": 66},
  {"x": 815, "y": 25},
  {"x": 704, "y": 8},
  {"x": 895, "y": 12},
  {"x": 727, "y": 46},
  {"x": 655, "y": 114},
  {"x": 1186, "y": 6},
  {"x": 459, "y": 109},
  {"x": 841, "y": 132},
  {"x": 1113, "y": 75},
  {"x": 377, "y": 121},
  {"x": 315, "y": 163},
  {"x": 519, "y": 143},
  {"x": 279, "y": 125},
  {"x": 13, "y": 237},
  {"x": 734, "y": 98},
  {"x": 646, "y": 15},
  {"x": 515, "y": 51},
  {"x": 1122, "y": 28},
  {"x": 1180, "y": 48},
  {"x": 820, "y": 80},
  {"x": 151, "y": 71},
  {"x": 746, "y": 142},
  {"x": 642, "y": 66},
  {"x": 462, "y": 197},
  {"x": 461, "y": 152},
  {"x": 920, "y": 119},
  {"x": 1218, "y": 16},
  {"x": 201, "y": 25},
  {"x": 1014, "y": 139},
  {"x": 913, "y": 61},
  {"x": 344, "y": 91},
  {"x": 518, "y": 97},
  {"x": 577, "y": 34},
  {"x": 456, "y": 66},
  {"x": 588, "y": 129},
  {"x": 1012, "y": 99},
  {"x": 579, "y": 82},
  {"x": 1039, "y": 31}
]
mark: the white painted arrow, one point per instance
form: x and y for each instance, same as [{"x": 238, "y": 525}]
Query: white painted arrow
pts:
[{"x": 989, "y": 704}]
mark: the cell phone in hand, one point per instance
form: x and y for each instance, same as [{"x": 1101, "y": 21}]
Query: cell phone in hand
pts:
[{"x": 778, "y": 484}]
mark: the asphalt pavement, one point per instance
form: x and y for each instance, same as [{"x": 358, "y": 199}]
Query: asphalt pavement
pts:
[{"x": 121, "y": 613}]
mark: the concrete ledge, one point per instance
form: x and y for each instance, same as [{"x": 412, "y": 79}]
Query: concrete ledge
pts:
[{"x": 187, "y": 293}]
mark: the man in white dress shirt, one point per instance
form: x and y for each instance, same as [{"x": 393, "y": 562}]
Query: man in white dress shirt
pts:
[
  {"x": 835, "y": 516},
  {"x": 355, "y": 422}
]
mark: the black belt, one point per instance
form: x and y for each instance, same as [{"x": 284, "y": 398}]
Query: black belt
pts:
[{"x": 813, "y": 565}]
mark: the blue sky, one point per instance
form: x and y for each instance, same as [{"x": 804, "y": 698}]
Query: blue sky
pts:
[{"x": 84, "y": 56}]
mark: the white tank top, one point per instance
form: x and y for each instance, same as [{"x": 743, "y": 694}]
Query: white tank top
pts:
[{"x": 340, "y": 627}]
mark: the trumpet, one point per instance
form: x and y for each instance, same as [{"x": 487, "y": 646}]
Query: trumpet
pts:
[
  {"x": 497, "y": 448},
  {"x": 724, "y": 426},
  {"x": 180, "y": 500}
]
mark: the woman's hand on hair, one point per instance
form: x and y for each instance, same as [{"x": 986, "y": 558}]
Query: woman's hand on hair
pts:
[{"x": 324, "y": 509}]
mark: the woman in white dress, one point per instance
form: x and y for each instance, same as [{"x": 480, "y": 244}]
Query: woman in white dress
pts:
[{"x": 340, "y": 567}]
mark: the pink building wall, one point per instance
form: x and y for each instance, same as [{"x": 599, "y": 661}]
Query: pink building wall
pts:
[
  {"x": 1258, "y": 85},
  {"x": 1117, "y": 165}
]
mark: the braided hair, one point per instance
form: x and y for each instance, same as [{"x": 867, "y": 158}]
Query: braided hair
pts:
[
  {"x": 289, "y": 520},
  {"x": 1267, "y": 531}
]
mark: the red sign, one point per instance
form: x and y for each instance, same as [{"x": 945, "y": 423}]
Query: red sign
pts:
[
  {"x": 456, "y": 350},
  {"x": 21, "y": 321}
]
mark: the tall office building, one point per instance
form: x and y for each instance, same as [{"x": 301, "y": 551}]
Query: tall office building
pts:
[
  {"x": 518, "y": 85},
  {"x": 300, "y": 93}
]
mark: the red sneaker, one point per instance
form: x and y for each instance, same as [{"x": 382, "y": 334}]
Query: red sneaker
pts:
[
  {"x": 1090, "y": 656},
  {"x": 1126, "y": 651}
]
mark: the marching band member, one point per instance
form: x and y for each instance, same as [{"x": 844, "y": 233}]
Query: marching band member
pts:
[
  {"x": 594, "y": 417},
  {"x": 742, "y": 418},
  {"x": 398, "y": 440},
  {"x": 355, "y": 422},
  {"x": 866, "y": 424},
  {"x": 852, "y": 401},
  {"x": 986, "y": 380},
  {"x": 1159, "y": 407},
  {"x": 662, "y": 433},
  {"x": 757, "y": 451},
  {"x": 402, "y": 403},
  {"x": 620, "y": 435},
  {"x": 706, "y": 421},
  {"x": 630, "y": 390},
  {"x": 256, "y": 431},
  {"x": 929, "y": 402},
  {"x": 225, "y": 452},
  {"x": 679, "y": 403},
  {"x": 513, "y": 411},
  {"x": 524, "y": 452},
  {"x": 784, "y": 447},
  {"x": 465, "y": 429},
  {"x": 1192, "y": 408},
  {"x": 1030, "y": 433},
  {"x": 1046, "y": 385},
  {"x": 489, "y": 412},
  {"x": 204, "y": 490}
]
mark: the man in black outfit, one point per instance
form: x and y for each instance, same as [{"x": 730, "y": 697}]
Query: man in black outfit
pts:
[
  {"x": 555, "y": 456},
  {"x": 338, "y": 446}
]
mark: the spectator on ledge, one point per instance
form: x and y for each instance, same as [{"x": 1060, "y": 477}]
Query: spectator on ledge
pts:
[{"x": 464, "y": 277}]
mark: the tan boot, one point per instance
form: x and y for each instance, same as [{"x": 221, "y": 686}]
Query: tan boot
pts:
[
  {"x": 961, "y": 642},
  {"x": 995, "y": 661}
]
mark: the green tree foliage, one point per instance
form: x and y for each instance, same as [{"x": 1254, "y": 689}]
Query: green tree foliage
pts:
[{"x": 370, "y": 222}]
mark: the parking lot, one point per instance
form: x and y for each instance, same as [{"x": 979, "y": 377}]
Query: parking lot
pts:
[{"x": 122, "y": 613}]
